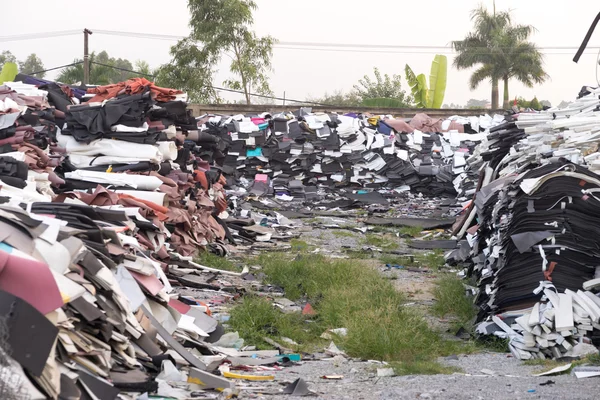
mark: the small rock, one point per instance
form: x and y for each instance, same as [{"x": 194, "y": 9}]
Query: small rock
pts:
[
  {"x": 425, "y": 396},
  {"x": 385, "y": 372}
]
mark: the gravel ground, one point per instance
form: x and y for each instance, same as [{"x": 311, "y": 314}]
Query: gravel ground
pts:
[
  {"x": 505, "y": 377},
  {"x": 512, "y": 381}
]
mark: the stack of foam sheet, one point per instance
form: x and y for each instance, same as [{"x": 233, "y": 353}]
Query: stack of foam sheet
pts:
[
  {"x": 560, "y": 326},
  {"x": 98, "y": 223},
  {"x": 533, "y": 219},
  {"x": 133, "y": 145},
  {"x": 330, "y": 150}
]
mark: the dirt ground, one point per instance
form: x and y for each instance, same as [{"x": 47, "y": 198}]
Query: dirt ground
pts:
[{"x": 503, "y": 376}]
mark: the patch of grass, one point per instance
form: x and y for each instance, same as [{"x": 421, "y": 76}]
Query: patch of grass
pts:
[
  {"x": 383, "y": 229},
  {"x": 452, "y": 300},
  {"x": 299, "y": 245},
  {"x": 348, "y": 294},
  {"x": 214, "y": 261},
  {"x": 432, "y": 259},
  {"x": 256, "y": 317},
  {"x": 381, "y": 241},
  {"x": 424, "y": 368},
  {"x": 342, "y": 233},
  {"x": 411, "y": 231},
  {"x": 359, "y": 254},
  {"x": 397, "y": 260}
]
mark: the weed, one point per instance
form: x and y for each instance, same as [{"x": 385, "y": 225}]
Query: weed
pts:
[
  {"x": 256, "y": 317},
  {"x": 423, "y": 368},
  {"x": 344, "y": 293},
  {"x": 299, "y": 245},
  {"x": 214, "y": 261},
  {"x": 397, "y": 260},
  {"x": 342, "y": 233},
  {"x": 381, "y": 241},
  {"x": 411, "y": 231},
  {"x": 432, "y": 259},
  {"x": 359, "y": 254},
  {"x": 451, "y": 300}
]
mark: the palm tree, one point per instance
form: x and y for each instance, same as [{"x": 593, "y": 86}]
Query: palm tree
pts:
[
  {"x": 99, "y": 74},
  {"x": 522, "y": 60},
  {"x": 501, "y": 52}
]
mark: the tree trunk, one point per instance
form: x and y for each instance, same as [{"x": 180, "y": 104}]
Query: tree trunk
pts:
[
  {"x": 244, "y": 83},
  {"x": 494, "y": 93},
  {"x": 506, "y": 100}
]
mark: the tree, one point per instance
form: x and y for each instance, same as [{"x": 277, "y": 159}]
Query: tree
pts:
[
  {"x": 32, "y": 64},
  {"x": 521, "y": 59},
  {"x": 535, "y": 104},
  {"x": 382, "y": 87},
  {"x": 338, "y": 98},
  {"x": 474, "y": 103},
  {"x": 7, "y": 56},
  {"x": 223, "y": 28},
  {"x": 104, "y": 70},
  {"x": 189, "y": 72},
  {"x": 545, "y": 103},
  {"x": 500, "y": 51}
]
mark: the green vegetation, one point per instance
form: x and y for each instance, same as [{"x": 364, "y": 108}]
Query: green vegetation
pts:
[
  {"x": 299, "y": 245},
  {"x": 432, "y": 259},
  {"x": 451, "y": 300},
  {"x": 423, "y": 368},
  {"x": 433, "y": 96},
  {"x": 344, "y": 293},
  {"x": 342, "y": 233},
  {"x": 214, "y": 261},
  {"x": 256, "y": 317},
  {"x": 386, "y": 242},
  {"x": 501, "y": 51},
  {"x": 411, "y": 231}
]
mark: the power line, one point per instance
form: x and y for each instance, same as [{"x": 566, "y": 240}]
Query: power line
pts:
[
  {"x": 122, "y": 69},
  {"x": 139, "y": 35},
  {"x": 39, "y": 35},
  {"x": 283, "y": 44},
  {"x": 272, "y": 97},
  {"x": 390, "y": 52},
  {"x": 55, "y": 68}
]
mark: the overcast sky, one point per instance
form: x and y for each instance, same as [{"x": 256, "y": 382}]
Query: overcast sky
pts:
[{"x": 311, "y": 73}]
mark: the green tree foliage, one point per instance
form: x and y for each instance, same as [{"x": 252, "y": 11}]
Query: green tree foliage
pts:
[
  {"x": 535, "y": 104},
  {"x": 500, "y": 51},
  {"x": 189, "y": 72},
  {"x": 7, "y": 56},
  {"x": 221, "y": 27},
  {"x": 104, "y": 70},
  {"x": 474, "y": 103},
  {"x": 383, "y": 86},
  {"x": 32, "y": 64},
  {"x": 338, "y": 98}
]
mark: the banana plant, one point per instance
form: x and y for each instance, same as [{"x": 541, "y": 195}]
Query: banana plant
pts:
[
  {"x": 418, "y": 87},
  {"x": 433, "y": 96},
  {"x": 382, "y": 102},
  {"x": 9, "y": 72},
  {"x": 437, "y": 81}
]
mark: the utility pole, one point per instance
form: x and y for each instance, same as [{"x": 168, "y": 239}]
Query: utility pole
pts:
[{"x": 86, "y": 57}]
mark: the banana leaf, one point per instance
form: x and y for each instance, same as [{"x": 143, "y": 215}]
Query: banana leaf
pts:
[
  {"x": 382, "y": 102},
  {"x": 9, "y": 72},
  {"x": 437, "y": 81},
  {"x": 418, "y": 87}
]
